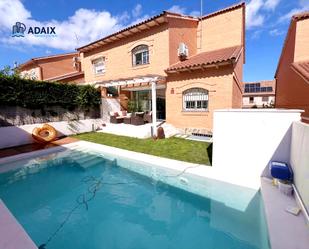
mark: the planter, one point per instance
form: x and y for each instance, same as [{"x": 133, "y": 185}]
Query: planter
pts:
[{"x": 285, "y": 188}]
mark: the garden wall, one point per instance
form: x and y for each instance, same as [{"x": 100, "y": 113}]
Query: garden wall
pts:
[
  {"x": 24, "y": 101},
  {"x": 19, "y": 135},
  {"x": 15, "y": 115},
  {"x": 300, "y": 160},
  {"x": 246, "y": 140}
]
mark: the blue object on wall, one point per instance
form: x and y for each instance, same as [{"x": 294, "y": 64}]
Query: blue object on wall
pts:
[{"x": 281, "y": 171}]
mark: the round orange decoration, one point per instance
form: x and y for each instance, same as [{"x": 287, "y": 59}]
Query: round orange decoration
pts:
[{"x": 45, "y": 134}]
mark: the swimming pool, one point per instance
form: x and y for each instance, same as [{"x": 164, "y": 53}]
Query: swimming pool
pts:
[{"x": 87, "y": 199}]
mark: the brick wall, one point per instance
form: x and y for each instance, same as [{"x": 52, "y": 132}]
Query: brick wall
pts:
[
  {"x": 219, "y": 83},
  {"x": 118, "y": 57},
  {"x": 292, "y": 90},
  {"x": 224, "y": 30}
]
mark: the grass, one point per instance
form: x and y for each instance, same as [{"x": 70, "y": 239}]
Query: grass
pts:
[{"x": 174, "y": 148}]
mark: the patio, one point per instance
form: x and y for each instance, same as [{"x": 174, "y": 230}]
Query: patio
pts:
[{"x": 137, "y": 131}]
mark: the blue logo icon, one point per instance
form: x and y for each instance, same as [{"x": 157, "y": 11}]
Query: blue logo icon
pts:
[{"x": 18, "y": 29}]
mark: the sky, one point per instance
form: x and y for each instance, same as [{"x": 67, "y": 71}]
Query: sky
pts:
[{"x": 79, "y": 22}]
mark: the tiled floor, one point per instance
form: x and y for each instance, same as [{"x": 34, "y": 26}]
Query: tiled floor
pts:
[{"x": 32, "y": 147}]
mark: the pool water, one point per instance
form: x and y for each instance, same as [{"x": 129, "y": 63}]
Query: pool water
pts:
[{"x": 79, "y": 200}]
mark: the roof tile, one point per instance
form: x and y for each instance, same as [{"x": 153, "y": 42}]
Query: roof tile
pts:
[
  {"x": 302, "y": 68},
  {"x": 207, "y": 58}
]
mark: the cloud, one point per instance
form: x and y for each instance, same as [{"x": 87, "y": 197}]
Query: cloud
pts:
[
  {"x": 271, "y": 4},
  {"x": 11, "y": 11},
  {"x": 303, "y": 5},
  {"x": 177, "y": 9},
  {"x": 138, "y": 20},
  {"x": 182, "y": 10},
  {"x": 253, "y": 16},
  {"x": 256, "y": 34},
  {"x": 195, "y": 13},
  {"x": 137, "y": 11},
  {"x": 83, "y": 27},
  {"x": 276, "y": 32}
]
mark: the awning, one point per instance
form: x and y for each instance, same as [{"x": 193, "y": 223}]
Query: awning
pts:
[{"x": 134, "y": 82}]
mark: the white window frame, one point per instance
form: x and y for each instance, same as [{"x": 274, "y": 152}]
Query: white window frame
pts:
[
  {"x": 195, "y": 99},
  {"x": 144, "y": 51},
  {"x": 98, "y": 65}
]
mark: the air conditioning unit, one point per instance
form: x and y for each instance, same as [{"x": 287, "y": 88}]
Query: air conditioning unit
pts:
[
  {"x": 76, "y": 61},
  {"x": 183, "y": 51}
]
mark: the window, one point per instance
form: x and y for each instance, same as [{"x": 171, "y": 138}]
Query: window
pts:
[
  {"x": 140, "y": 55},
  {"x": 99, "y": 65},
  {"x": 265, "y": 98},
  {"x": 256, "y": 88},
  {"x": 195, "y": 99},
  {"x": 251, "y": 99}
]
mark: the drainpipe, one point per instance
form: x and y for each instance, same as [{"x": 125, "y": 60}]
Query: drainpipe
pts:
[{"x": 154, "y": 108}]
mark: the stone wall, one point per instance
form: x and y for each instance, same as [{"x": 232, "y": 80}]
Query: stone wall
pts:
[{"x": 14, "y": 115}]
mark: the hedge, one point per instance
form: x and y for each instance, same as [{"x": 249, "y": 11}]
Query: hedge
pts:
[{"x": 15, "y": 91}]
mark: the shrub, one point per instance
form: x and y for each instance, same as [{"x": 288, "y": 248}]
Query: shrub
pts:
[{"x": 38, "y": 94}]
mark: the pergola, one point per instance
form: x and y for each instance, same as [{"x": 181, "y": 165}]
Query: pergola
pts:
[{"x": 139, "y": 83}]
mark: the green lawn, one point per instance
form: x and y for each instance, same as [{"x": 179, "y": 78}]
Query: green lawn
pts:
[{"x": 174, "y": 148}]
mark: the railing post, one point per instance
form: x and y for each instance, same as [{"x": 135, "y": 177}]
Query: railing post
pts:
[{"x": 154, "y": 107}]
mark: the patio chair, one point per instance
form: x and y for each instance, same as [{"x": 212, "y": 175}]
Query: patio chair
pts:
[
  {"x": 137, "y": 118},
  {"x": 148, "y": 117},
  {"x": 127, "y": 118},
  {"x": 115, "y": 118}
]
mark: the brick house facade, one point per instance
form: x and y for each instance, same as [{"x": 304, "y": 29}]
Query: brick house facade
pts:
[
  {"x": 191, "y": 87},
  {"x": 292, "y": 75},
  {"x": 59, "y": 68}
]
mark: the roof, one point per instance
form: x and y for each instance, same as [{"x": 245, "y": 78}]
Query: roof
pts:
[
  {"x": 37, "y": 59},
  {"x": 136, "y": 28},
  {"x": 263, "y": 83},
  {"x": 302, "y": 68},
  {"x": 295, "y": 18},
  {"x": 148, "y": 23},
  {"x": 221, "y": 11},
  {"x": 66, "y": 76},
  {"x": 206, "y": 59}
]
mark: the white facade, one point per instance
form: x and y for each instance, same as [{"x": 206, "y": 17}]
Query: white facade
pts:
[{"x": 259, "y": 101}]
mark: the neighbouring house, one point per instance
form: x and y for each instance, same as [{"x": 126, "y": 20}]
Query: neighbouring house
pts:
[
  {"x": 292, "y": 75},
  {"x": 180, "y": 67},
  {"x": 64, "y": 68},
  {"x": 259, "y": 94}
]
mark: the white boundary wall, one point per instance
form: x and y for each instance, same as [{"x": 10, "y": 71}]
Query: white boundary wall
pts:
[
  {"x": 300, "y": 159},
  {"x": 18, "y": 135},
  {"x": 244, "y": 142}
]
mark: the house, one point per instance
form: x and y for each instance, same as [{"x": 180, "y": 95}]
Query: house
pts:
[
  {"x": 183, "y": 67},
  {"x": 259, "y": 94},
  {"x": 292, "y": 75},
  {"x": 60, "y": 68}
]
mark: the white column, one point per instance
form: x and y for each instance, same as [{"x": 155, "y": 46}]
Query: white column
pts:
[{"x": 154, "y": 107}]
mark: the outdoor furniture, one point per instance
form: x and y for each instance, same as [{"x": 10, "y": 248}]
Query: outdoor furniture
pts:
[
  {"x": 127, "y": 120},
  {"x": 137, "y": 118},
  {"x": 120, "y": 117},
  {"x": 116, "y": 119},
  {"x": 148, "y": 117}
]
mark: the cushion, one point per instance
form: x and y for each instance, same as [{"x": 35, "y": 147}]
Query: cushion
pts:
[{"x": 116, "y": 114}]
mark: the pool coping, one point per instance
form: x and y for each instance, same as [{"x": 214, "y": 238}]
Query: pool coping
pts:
[
  {"x": 285, "y": 230},
  {"x": 13, "y": 235}
]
